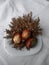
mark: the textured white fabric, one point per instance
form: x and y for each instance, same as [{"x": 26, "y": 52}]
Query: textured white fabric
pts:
[{"x": 15, "y": 8}]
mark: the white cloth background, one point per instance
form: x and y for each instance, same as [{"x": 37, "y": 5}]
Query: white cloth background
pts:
[{"x": 15, "y": 8}]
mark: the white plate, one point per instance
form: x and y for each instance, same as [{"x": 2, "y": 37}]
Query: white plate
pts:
[
  {"x": 2, "y": 61},
  {"x": 15, "y": 52}
]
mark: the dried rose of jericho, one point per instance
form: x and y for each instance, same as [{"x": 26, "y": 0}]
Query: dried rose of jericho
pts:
[{"x": 26, "y": 26}]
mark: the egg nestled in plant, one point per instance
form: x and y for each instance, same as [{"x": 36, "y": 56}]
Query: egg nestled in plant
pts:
[
  {"x": 31, "y": 42},
  {"x": 26, "y": 34},
  {"x": 17, "y": 38}
]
